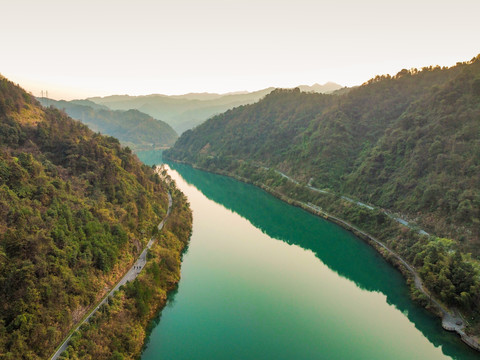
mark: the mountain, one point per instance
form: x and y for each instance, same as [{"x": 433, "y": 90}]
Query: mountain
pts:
[
  {"x": 206, "y": 95},
  {"x": 181, "y": 112},
  {"x": 326, "y": 88},
  {"x": 407, "y": 145},
  {"x": 75, "y": 209},
  {"x": 389, "y": 142},
  {"x": 132, "y": 127},
  {"x": 184, "y": 112},
  {"x": 89, "y": 104}
]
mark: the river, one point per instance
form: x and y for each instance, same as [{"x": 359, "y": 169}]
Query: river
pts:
[{"x": 265, "y": 280}]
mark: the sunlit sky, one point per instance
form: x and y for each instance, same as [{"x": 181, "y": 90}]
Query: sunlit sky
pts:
[{"x": 76, "y": 49}]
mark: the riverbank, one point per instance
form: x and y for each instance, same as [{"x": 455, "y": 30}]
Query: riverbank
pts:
[
  {"x": 130, "y": 275},
  {"x": 119, "y": 329},
  {"x": 451, "y": 319},
  {"x": 391, "y": 230}
]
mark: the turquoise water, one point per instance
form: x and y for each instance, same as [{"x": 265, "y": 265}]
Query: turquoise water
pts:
[
  {"x": 150, "y": 157},
  {"x": 265, "y": 280}
]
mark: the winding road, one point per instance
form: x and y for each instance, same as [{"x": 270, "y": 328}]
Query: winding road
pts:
[
  {"x": 131, "y": 274},
  {"x": 451, "y": 320},
  {"x": 359, "y": 203}
]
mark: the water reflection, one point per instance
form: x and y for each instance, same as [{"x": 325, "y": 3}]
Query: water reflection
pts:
[
  {"x": 351, "y": 258},
  {"x": 156, "y": 320}
]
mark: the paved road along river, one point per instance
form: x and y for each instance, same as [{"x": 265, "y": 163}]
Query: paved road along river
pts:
[{"x": 131, "y": 274}]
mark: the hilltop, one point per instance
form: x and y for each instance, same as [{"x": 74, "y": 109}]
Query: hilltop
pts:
[
  {"x": 401, "y": 142},
  {"x": 133, "y": 128},
  {"x": 184, "y": 112}
]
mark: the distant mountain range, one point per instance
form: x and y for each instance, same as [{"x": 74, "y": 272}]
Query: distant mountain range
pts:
[
  {"x": 183, "y": 112},
  {"x": 133, "y": 128},
  {"x": 326, "y": 88}
]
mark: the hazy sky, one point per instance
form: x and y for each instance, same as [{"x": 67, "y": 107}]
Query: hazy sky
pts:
[{"x": 96, "y": 47}]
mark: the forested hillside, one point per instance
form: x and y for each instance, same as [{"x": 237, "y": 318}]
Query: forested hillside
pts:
[
  {"x": 75, "y": 210},
  {"x": 405, "y": 146},
  {"x": 409, "y": 143},
  {"x": 120, "y": 329},
  {"x": 181, "y": 112},
  {"x": 133, "y": 128},
  {"x": 184, "y": 112}
]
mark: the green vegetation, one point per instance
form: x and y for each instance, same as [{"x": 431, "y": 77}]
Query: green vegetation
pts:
[
  {"x": 184, "y": 112},
  {"x": 133, "y": 128},
  {"x": 409, "y": 144},
  {"x": 75, "y": 210},
  {"x": 118, "y": 330},
  {"x": 181, "y": 112}
]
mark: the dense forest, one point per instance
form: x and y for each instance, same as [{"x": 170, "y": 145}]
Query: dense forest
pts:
[
  {"x": 76, "y": 208},
  {"x": 407, "y": 145},
  {"x": 133, "y": 128},
  {"x": 119, "y": 330}
]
